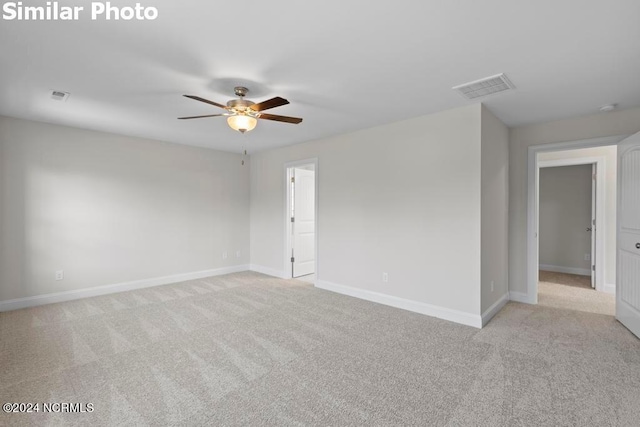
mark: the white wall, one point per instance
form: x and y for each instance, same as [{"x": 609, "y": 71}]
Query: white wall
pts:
[
  {"x": 565, "y": 215},
  {"x": 610, "y": 155},
  {"x": 623, "y": 122},
  {"x": 108, "y": 209},
  {"x": 495, "y": 209},
  {"x": 402, "y": 198}
]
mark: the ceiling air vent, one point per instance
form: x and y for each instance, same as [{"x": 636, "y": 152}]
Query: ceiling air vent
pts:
[
  {"x": 59, "y": 96},
  {"x": 484, "y": 87}
]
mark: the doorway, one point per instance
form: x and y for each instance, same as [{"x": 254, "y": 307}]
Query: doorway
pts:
[
  {"x": 301, "y": 220},
  {"x": 567, "y": 215},
  {"x": 575, "y": 228},
  {"x": 571, "y": 260},
  {"x": 626, "y": 208}
]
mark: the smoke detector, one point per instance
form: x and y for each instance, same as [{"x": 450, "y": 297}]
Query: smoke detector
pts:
[
  {"x": 484, "y": 87},
  {"x": 59, "y": 95},
  {"x": 608, "y": 108}
]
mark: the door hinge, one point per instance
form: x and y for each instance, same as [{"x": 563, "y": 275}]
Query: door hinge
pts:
[
  {"x": 293, "y": 179},
  {"x": 293, "y": 259},
  {"x": 593, "y": 267},
  {"x": 595, "y": 176},
  {"x": 293, "y": 219}
]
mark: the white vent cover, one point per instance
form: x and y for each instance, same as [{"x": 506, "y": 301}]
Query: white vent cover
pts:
[
  {"x": 59, "y": 96},
  {"x": 484, "y": 87}
]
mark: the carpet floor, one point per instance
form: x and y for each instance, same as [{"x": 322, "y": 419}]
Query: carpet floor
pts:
[
  {"x": 247, "y": 349},
  {"x": 573, "y": 292},
  {"x": 575, "y": 280}
]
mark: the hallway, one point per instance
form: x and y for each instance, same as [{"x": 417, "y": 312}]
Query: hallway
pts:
[{"x": 573, "y": 292}]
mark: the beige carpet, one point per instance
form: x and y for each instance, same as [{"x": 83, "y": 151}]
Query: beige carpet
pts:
[
  {"x": 573, "y": 292},
  {"x": 246, "y": 349},
  {"x": 309, "y": 278},
  {"x": 575, "y": 280}
]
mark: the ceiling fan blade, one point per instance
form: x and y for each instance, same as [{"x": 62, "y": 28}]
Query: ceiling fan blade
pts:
[
  {"x": 269, "y": 103},
  {"x": 199, "y": 117},
  {"x": 206, "y": 101},
  {"x": 286, "y": 119}
]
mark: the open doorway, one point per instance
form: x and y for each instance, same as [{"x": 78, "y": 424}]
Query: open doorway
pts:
[
  {"x": 621, "y": 258},
  {"x": 576, "y": 211},
  {"x": 301, "y": 220}
]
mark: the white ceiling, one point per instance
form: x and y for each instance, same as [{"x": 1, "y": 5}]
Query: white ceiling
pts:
[{"x": 343, "y": 65}]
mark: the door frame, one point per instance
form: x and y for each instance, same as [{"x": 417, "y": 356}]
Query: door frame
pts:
[
  {"x": 532, "y": 221},
  {"x": 600, "y": 208},
  {"x": 288, "y": 274}
]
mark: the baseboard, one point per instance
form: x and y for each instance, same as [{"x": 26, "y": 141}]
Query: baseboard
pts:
[
  {"x": 456, "y": 316},
  {"x": 519, "y": 297},
  {"x": 609, "y": 288},
  {"x": 268, "y": 271},
  {"x": 568, "y": 270},
  {"x": 494, "y": 309},
  {"x": 15, "y": 304}
]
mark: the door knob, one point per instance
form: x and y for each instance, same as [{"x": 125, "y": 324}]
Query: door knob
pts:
[{"x": 637, "y": 245}]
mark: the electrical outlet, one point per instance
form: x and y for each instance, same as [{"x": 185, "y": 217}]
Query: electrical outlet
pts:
[
  {"x": 587, "y": 257},
  {"x": 492, "y": 286},
  {"x": 385, "y": 277},
  {"x": 59, "y": 275},
  {"x": 224, "y": 255},
  {"x": 237, "y": 254}
]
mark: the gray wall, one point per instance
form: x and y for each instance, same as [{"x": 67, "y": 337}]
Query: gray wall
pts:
[
  {"x": 495, "y": 209},
  {"x": 565, "y": 215},
  {"x": 109, "y": 209},
  {"x": 402, "y": 198},
  {"x": 623, "y": 122}
]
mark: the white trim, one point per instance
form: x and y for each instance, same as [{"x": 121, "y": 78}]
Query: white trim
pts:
[
  {"x": 18, "y": 303},
  {"x": 567, "y": 270},
  {"x": 609, "y": 288},
  {"x": 574, "y": 161},
  {"x": 456, "y": 316},
  {"x": 520, "y": 297},
  {"x": 531, "y": 297},
  {"x": 287, "y": 222},
  {"x": 494, "y": 309},
  {"x": 268, "y": 271}
]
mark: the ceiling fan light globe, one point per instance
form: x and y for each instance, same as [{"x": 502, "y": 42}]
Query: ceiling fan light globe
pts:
[{"x": 242, "y": 123}]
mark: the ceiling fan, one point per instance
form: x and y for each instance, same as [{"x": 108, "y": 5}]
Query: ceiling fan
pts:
[{"x": 242, "y": 114}]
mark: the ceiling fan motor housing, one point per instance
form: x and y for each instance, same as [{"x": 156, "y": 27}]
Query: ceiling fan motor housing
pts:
[{"x": 239, "y": 104}]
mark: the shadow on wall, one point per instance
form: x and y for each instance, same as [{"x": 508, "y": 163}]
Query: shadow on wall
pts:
[{"x": 108, "y": 209}]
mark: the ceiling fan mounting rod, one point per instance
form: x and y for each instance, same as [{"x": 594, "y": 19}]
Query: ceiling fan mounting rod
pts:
[{"x": 240, "y": 91}]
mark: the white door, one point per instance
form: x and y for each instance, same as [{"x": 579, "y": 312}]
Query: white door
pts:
[
  {"x": 592, "y": 226},
  {"x": 303, "y": 223},
  {"x": 628, "y": 272}
]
